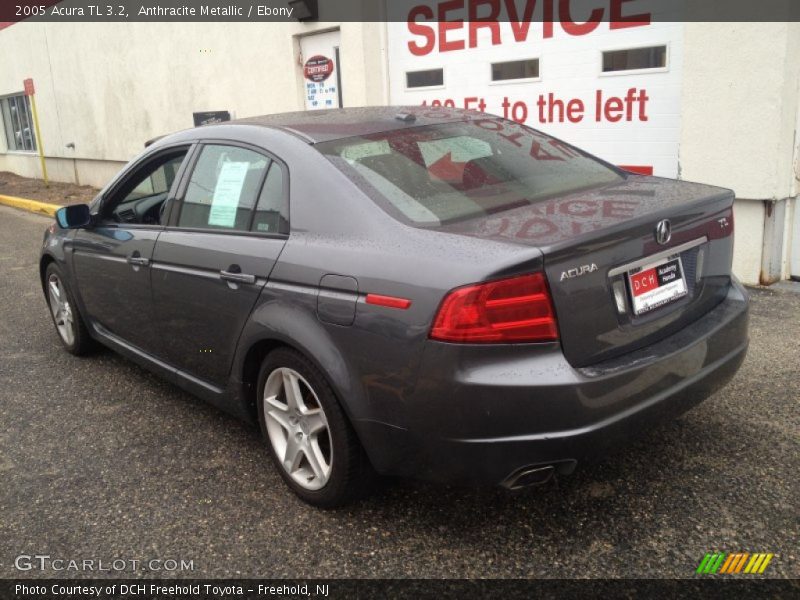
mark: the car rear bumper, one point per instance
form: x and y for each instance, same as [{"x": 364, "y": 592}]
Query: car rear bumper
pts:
[{"x": 485, "y": 415}]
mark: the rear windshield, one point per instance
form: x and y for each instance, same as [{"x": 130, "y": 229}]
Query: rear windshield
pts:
[{"x": 439, "y": 174}]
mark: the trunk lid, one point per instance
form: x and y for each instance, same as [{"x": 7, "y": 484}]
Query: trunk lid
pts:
[{"x": 592, "y": 240}]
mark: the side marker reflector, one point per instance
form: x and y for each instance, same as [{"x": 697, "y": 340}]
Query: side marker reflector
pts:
[{"x": 389, "y": 301}]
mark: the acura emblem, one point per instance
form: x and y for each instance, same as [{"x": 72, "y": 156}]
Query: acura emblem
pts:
[{"x": 663, "y": 231}]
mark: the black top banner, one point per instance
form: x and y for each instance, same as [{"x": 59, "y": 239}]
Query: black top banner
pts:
[{"x": 578, "y": 12}]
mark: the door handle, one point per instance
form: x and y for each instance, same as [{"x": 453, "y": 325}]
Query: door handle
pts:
[
  {"x": 237, "y": 277},
  {"x": 138, "y": 261}
]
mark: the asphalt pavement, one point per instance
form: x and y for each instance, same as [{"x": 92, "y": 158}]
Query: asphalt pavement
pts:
[{"x": 101, "y": 460}]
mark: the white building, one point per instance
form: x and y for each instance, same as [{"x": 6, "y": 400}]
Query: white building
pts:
[{"x": 712, "y": 102}]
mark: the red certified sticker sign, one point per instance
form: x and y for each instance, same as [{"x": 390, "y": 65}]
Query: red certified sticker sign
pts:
[
  {"x": 28, "y": 83},
  {"x": 318, "y": 68}
]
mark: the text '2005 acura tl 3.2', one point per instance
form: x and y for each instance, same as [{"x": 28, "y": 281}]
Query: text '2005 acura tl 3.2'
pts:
[{"x": 421, "y": 292}]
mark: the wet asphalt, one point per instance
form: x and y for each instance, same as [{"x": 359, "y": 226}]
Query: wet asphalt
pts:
[{"x": 101, "y": 460}]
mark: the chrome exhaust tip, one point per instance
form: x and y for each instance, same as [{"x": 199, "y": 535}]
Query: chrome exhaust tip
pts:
[{"x": 528, "y": 476}]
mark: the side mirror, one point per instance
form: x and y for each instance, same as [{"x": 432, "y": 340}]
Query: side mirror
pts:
[{"x": 74, "y": 216}]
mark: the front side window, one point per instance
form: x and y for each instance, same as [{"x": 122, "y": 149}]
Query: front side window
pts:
[
  {"x": 223, "y": 189},
  {"x": 157, "y": 181},
  {"x": 142, "y": 197},
  {"x": 18, "y": 123},
  {"x": 437, "y": 174}
]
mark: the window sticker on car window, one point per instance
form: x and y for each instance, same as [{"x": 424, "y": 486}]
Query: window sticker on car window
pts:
[
  {"x": 227, "y": 193},
  {"x": 359, "y": 151},
  {"x": 461, "y": 149}
]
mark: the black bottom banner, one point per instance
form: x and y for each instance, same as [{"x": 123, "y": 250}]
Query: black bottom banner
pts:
[{"x": 350, "y": 589}]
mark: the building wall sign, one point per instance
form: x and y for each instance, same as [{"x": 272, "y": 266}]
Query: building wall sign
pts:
[
  {"x": 210, "y": 117},
  {"x": 601, "y": 74}
]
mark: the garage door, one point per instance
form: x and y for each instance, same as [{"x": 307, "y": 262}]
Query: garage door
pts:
[{"x": 611, "y": 88}]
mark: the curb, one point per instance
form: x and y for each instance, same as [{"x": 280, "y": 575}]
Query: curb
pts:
[{"x": 43, "y": 208}]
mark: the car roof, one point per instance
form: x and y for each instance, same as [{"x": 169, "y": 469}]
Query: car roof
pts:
[{"x": 316, "y": 126}]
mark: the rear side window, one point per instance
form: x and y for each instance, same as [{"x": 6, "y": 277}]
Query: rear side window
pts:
[
  {"x": 271, "y": 214},
  {"x": 437, "y": 174},
  {"x": 223, "y": 188}
]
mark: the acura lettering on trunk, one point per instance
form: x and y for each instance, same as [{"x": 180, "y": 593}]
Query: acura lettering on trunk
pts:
[
  {"x": 410, "y": 291},
  {"x": 578, "y": 271}
]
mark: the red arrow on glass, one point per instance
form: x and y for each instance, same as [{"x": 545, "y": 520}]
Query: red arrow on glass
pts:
[{"x": 446, "y": 169}]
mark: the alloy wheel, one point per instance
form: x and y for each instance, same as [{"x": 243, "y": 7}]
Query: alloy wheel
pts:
[
  {"x": 61, "y": 309},
  {"x": 298, "y": 428}
]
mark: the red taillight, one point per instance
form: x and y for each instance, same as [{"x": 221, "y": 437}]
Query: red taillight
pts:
[{"x": 503, "y": 311}]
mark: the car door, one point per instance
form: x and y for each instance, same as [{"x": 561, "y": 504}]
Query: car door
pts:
[
  {"x": 111, "y": 258},
  {"x": 211, "y": 262}
]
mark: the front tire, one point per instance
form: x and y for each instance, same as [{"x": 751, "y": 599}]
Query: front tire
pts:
[
  {"x": 69, "y": 324},
  {"x": 309, "y": 437}
]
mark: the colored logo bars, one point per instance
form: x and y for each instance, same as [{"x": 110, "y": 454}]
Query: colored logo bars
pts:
[{"x": 720, "y": 562}]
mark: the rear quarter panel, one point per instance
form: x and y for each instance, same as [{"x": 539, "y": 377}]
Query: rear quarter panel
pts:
[{"x": 337, "y": 230}]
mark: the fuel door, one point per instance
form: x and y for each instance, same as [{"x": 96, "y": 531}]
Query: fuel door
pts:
[{"x": 336, "y": 299}]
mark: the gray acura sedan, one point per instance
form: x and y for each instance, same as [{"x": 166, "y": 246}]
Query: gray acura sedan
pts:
[{"x": 410, "y": 291}]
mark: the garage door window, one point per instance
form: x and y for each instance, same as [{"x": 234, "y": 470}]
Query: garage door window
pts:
[
  {"x": 515, "y": 69},
  {"x": 635, "y": 59},
  {"x": 425, "y": 79},
  {"x": 18, "y": 123},
  {"x": 223, "y": 189}
]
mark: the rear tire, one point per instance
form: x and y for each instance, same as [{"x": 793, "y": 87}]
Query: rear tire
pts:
[
  {"x": 310, "y": 440},
  {"x": 70, "y": 327}
]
